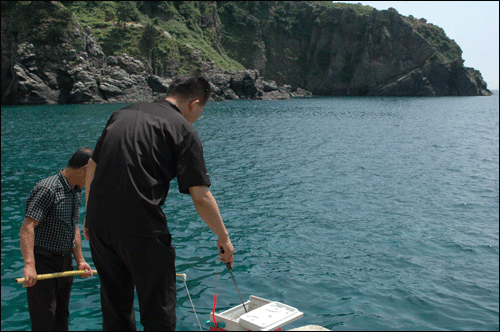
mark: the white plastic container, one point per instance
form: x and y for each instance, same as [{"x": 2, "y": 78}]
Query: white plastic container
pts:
[
  {"x": 262, "y": 315},
  {"x": 269, "y": 317}
]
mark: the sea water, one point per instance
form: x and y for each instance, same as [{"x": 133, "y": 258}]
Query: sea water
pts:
[{"x": 363, "y": 213}]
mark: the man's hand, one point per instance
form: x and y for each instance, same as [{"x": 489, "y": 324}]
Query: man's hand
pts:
[
  {"x": 209, "y": 212},
  {"x": 86, "y": 267},
  {"x": 226, "y": 250},
  {"x": 86, "y": 233},
  {"x": 30, "y": 276}
]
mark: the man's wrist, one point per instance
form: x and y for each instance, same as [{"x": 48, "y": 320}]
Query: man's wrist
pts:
[
  {"x": 223, "y": 237},
  {"x": 79, "y": 258}
]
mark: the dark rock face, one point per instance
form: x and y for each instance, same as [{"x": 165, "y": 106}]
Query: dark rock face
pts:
[
  {"x": 333, "y": 51},
  {"x": 61, "y": 74},
  {"x": 436, "y": 79},
  {"x": 248, "y": 85}
]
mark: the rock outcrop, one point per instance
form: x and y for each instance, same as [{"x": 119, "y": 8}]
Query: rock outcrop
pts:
[
  {"x": 435, "y": 79},
  {"x": 337, "y": 50},
  {"x": 248, "y": 84},
  {"x": 63, "y": 74}
]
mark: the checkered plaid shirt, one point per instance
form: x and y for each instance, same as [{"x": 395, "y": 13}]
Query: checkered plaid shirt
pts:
[{"x": 55, "y": 206}]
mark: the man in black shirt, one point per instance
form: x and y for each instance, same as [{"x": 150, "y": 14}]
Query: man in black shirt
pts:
[{"x": 142, "y": 148}]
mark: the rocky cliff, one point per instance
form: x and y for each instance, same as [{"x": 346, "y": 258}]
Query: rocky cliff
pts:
[
  {"x": 50, "y": 55},
  {"x": 339, "y": 49},
  {"x": 59, "y": 76},
  {"x": 75, "y": 69}
]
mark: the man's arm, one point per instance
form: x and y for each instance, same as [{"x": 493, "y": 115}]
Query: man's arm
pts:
[
  {"x": 91, "y": 165},
  {"x": 209, "y": 212},
  {"x": 27, "y": 239},
  {"x": 77, "y": 252}
]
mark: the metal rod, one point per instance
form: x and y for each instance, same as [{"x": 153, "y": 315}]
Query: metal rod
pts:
[
  {"x": 232, "y": 276},
  {"x": 234, "y": 280}
]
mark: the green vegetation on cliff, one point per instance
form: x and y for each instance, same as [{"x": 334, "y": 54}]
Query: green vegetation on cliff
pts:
[
  {"x": 168, "y": 31},
  {"x": 47, "y": 21},
  {"x": 159, "y": 31},
  {"x": 448, "y": 49}
]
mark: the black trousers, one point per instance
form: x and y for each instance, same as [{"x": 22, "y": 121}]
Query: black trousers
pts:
[
  {"x": 48, "y": 300},
  {"x": 148, "y": 263}
]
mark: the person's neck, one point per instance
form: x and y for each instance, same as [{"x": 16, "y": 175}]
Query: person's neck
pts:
[
  {"x": 173, "y": 101},
  {"x": 71, "y": 176},
  {"x": 180, "y": 105}
]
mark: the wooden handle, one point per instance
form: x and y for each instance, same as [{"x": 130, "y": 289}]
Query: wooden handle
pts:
[
  {"x": 69, "y": 274},
  {"x": 56, "y": 275}
]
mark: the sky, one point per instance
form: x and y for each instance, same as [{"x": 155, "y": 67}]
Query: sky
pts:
[{"x": 472, "y": 24}]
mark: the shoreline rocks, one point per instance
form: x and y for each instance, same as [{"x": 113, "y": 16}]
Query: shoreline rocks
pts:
[{"x": 62, "y": 74}]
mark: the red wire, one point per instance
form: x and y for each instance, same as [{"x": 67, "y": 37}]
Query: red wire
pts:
[
  {"x": 215, "y": 293},
  {"x": 213, "y": 310}
]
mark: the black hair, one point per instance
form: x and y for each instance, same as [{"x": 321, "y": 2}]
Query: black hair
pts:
[
  {"x": 80, "y": 158},
  {"x": 189, "y": 86}
]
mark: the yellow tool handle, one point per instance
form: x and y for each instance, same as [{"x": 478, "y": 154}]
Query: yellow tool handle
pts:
[
  {"x": 69, "y": 274},
  {"x": 56, "y": 275}
]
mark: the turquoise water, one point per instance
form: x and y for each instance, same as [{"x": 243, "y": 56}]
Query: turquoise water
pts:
[{"x": 363, "y": 213}]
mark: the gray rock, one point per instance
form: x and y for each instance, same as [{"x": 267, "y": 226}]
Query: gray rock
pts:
[
  {"x": 159, "y": 84},
  {"x": 302, "y": 93},
  {"x": 32, "y": 89},
  {"x": 269, "y": 86},
  {"x": 411, "y": 84},
  {"x": 229, "y": 94},
  {"x": 65, "y": 74},
  {"x": 278, "y": 94},
  {"x": 81, "y": 93}
]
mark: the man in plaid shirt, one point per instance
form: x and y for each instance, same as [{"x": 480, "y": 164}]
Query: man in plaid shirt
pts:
[{"x": 49, "y": 235}]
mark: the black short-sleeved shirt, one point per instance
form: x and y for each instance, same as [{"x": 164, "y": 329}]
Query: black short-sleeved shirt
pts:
[{"x": 142, "y": 148}]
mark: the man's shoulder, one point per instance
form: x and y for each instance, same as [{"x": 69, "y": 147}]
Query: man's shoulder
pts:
[
  {"x": 45, "y": 189},
  {"x": 159, "y": 110},
  {"x": 51, "y": 184},
  {"x": 145, "y": 106}
]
